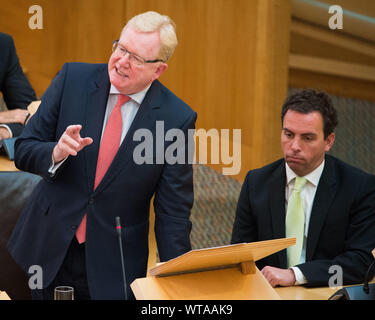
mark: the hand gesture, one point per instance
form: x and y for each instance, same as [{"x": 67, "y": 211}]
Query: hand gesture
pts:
[{"x": 70, "y": 143}]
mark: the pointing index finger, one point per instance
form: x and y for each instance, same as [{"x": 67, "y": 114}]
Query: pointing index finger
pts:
[{"x": 73, "y": 130}]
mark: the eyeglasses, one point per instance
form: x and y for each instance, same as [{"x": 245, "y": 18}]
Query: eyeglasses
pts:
[{"x": 133, "y": 58}]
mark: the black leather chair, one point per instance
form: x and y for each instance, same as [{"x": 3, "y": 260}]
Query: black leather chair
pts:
[{"x": 15, "y": 188}]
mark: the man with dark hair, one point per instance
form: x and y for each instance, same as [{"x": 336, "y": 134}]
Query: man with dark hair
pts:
[
  {"x": 326, "y": 204},
  {"x": 306, "y": 101}
]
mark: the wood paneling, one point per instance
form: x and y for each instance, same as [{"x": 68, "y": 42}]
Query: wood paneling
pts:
[
  {"x": 231, "y": 67},
  {"x": 270, "y": 64},
  {"x": 332, "y": 67},
  {"x": 327, "y": 60},
  {"x": 72, "y": 31},
  {"x": 310, "y": 40},
  {"x": 357, "y": 16},
  {"x": 230, "y": 64},
  {"x": 364, "y": 7},
  {"x": 340, "y": 86}
]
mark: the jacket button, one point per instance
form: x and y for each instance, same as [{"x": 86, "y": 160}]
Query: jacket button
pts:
[
  {"x": 74, "y": 227},
  {"x": 91, "y": 201}
]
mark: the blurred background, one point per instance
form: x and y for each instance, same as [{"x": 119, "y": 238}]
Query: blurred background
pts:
[{"x": 235, "y": 64}]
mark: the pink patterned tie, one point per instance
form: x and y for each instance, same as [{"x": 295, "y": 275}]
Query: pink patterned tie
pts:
[{"x": 108, "y": 148}]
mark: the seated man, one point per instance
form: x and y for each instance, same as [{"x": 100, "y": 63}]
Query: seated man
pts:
[
  {"x": 16, "y": 89},
  {"x": 328, "y": 205}
]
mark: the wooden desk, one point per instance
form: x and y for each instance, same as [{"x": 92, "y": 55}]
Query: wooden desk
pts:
[
  {"x": 4, "y": 296},
  {"x": 6, "y": 164},
  {"x": 302, "y": 293}
]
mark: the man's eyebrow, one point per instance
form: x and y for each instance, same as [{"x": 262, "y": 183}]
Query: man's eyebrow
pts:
[
  {"x": 302, "y": 134},
  {"x": 308, "y": 134},
  {"x": 122, "y": 45}
]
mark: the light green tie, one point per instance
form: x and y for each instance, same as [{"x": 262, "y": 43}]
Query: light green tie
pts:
[{"x": 295, "y": 222}]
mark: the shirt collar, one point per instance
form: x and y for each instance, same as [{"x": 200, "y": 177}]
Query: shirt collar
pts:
[
  {"x": 137, "y": 97},
  {"x": 313, "y": 177}
]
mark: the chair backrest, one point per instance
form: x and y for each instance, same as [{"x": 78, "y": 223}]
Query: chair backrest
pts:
[
  {"x": 215, "y": 202},
  {"x": 15, "y": 189}
]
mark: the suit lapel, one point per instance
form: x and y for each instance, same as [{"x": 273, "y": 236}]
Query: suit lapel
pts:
[
  {"x": 97, "y": 98},
  {"x": 144, "y": 119},
  {"x": 276, "y": 200},
  {"x": 324, "y": 196}
]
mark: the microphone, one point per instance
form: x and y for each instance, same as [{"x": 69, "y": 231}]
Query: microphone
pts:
[
  {"x": 359, "y": 292},
  {"x": 118, "y": 231},
  {"x": 367, "y": 277}
]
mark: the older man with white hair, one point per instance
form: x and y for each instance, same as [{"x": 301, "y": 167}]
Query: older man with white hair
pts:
[{"x": 81, "y": 142}]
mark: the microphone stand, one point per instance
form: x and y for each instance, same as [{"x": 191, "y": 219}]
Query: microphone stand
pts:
[
  {"x": 118, "y": 230},
  {"x": 365, "y": 284}
]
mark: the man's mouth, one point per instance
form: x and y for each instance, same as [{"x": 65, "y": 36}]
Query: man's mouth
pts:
[
  {"x": 294, "y": 159},
  {"x": 121, "y": 73}
]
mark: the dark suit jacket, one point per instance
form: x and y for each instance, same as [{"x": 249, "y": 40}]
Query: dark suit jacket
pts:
[
  {"x": 78, "y": 95},
  {"x": 342, "y": 223},
  {"x": 16, "y": 89}
]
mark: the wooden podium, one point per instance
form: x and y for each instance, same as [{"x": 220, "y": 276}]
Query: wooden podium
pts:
[
  {"x": 221, "y": 273},
  {"x": 4, "y": 296}
]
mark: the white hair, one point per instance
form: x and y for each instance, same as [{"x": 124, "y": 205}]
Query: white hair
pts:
[{"x": 152, "y": 21}]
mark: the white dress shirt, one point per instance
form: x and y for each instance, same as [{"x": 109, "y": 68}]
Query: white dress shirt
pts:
[
  {"x": 128, "y": 112},
  {"x": 307, "y": 197},
  {"x": 7, "y": 127},
  {"x": 128, "y": 109}
]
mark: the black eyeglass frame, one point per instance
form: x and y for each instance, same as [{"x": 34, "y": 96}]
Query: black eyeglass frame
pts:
[{"x": 115, "y": 46}]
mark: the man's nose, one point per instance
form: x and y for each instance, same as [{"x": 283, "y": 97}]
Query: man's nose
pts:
[
  {"x": 124, "y": 59},
  {"x": 296, "y": 144}
]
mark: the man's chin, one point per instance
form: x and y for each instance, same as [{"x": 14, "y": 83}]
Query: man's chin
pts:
[
  {"x": 297, "y": 166},
  {"x": 119, "y": 84}
]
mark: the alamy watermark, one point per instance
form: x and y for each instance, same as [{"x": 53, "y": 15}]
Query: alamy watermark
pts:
[
  {"x": 183, "y": 147},
  {"x": 36, "y": 20},
  {"x": 336, "y": 20},
  {"x": 36, "y": 277},
  {"x": 336, "y": 280}
]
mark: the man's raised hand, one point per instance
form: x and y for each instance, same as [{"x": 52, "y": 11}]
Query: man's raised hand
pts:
[{"x": 70, "y": 143}]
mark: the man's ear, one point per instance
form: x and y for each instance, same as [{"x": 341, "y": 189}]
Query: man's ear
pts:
[
  {"x": 162, "y": 67},
  {"x": 329, "y": 141}
]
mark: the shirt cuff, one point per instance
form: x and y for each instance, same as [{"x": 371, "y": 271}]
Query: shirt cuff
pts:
[
  {"x": 6, "y": 127},
  {"x": 54, "y": 167},
  {"x": 300, "y": 278}
]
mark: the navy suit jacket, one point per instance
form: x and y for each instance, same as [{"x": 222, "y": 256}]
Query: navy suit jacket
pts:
[
  {"x": 16, "y": 89},
  {"x": 342, "y": 222},
  {"x": 78, "y": 95}
]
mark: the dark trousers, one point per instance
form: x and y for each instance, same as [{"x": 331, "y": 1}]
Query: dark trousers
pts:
[{"x": 72, "y": 273}]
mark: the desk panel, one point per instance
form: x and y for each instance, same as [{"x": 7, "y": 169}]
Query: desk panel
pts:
[
  {"x": 6, "y": 164},
  {"x": 302, "y": 293}
]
